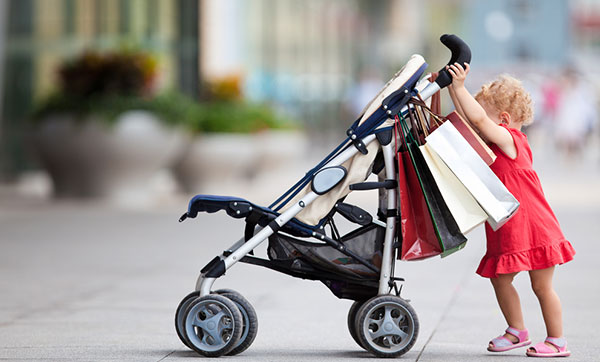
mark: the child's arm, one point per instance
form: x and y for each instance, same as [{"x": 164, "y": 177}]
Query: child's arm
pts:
[
  {"x": 459, "y": 109},
  {"x": 456, "y": 102},
  {"x": 476, "y": 115}
]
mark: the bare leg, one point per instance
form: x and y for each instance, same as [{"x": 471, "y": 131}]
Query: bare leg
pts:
[
  {"x": 541, "y": 283},
  {"x": 509, "y": 302}
]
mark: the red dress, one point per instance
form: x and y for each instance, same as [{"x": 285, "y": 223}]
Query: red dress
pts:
[{"x": 532, "y": 238}]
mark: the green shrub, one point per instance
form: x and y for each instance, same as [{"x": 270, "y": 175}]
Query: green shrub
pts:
[
  {"x": 108, "y": 84},
  {"x": 237, "y": 116}
]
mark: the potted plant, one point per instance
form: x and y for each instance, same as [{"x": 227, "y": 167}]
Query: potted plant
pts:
[
  {"x": 106, "y": 132},
  {"x": 236, "y": 140}
]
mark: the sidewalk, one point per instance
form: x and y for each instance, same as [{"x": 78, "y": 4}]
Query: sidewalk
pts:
[{"x": 87, "y": 282}]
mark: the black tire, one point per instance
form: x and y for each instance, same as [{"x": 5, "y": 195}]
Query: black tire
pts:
[
  {"x": 387, "y": 326},
  {"x": 352, "y": 321},
  {"x": 213, "y": 325},
  {"x": 179, "y": 316},
  {"x": 250, "y": 320}
]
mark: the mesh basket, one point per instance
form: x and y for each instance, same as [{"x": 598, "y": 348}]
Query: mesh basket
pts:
[{"x": 366, "y": 242}]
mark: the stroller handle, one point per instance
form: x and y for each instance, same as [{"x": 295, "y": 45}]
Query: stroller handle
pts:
[{"x": 461, "y": 53}]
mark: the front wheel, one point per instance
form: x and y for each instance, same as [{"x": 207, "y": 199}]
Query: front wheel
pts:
[
  {"x": 180, "y": 314},
  {"x": 387, "y": 326},
  {"x": 249, "y": 317},
  {"x": 212, "y": 325}
]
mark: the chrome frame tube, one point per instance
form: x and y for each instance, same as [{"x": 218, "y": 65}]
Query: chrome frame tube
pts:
[{"x": 390, "y": 231}]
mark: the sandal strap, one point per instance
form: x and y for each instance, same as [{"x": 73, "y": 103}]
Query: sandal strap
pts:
[
  {"x": 521, "y": 335},
  {"x": 559, "y": 343},
  {"x": 501, "y": 341}
]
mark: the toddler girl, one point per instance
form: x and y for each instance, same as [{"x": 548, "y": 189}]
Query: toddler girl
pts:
[{"x": 532, "y": 239}]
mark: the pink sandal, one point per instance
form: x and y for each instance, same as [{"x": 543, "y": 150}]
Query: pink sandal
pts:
[
  {"x": 543, "y": 350},
  {"x": 502, "y": 344}
]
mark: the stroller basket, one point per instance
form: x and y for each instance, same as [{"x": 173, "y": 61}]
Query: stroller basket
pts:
[
  {"x": 366, "y": 242},
  {"x": 344, "y": 276}
]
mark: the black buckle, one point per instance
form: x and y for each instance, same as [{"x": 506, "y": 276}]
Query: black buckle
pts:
[
  {"x": 357, "y": 142},
  {"x": 399, "y": 98}
]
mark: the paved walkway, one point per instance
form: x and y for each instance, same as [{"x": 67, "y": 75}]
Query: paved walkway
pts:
[{"x": 88, "y": 282}]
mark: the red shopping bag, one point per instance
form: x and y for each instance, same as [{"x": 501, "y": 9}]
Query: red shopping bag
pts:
[
  {"x": 482, "y": 149},
  {"x": 418, "y": 236}
]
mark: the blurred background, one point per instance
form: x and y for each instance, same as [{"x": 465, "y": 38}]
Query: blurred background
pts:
[
  {"x": 96, "y": 95},
  {"x": 114, "y": 113}
]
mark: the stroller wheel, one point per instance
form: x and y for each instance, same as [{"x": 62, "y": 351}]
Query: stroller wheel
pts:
[
  {"x": 387, "y": 326},
  {"x": 249, "y": 320},
  {"x": 352, "y": 320},
  {"x": 179, "y": 316},
  {"x": 212, "y": 325}
]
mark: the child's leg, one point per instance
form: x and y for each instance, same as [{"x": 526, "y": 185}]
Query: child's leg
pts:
[
  {"x": 541, "y": 283},
  {"x": 509, "y": 302}
]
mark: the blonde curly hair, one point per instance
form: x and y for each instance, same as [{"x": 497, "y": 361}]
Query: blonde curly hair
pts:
[{"x": 506, "y": 94}]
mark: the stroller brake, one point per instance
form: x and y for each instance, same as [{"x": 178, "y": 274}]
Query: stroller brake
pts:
[{"x": 393, "y": 286}]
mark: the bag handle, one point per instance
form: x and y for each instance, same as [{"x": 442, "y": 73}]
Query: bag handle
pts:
[
  {"x": 421, "y": 117},
  {"x": 436, "y": 117},
  {"x": 418, "y": 128}
]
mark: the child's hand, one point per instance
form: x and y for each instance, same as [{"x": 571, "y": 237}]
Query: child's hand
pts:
[{"x": 459, "y": 74}]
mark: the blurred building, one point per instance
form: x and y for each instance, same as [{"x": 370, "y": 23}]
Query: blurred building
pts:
[
  {"x": 36, "y": 35},
  {"x": 301, "y": 56},
  {"x": 306, "y": 55}
]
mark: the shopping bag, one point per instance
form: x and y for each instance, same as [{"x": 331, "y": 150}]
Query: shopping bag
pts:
[
  {"x": 498, "y": 203},
  {"x": 448, "y": 232},
  {"x": 418, "y": 236},
  {"x": 463, "y": 207},
  {"x": 472, "y": 137}
]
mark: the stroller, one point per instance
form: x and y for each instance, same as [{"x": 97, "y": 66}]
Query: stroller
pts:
[{"x": 304, "y": 242}]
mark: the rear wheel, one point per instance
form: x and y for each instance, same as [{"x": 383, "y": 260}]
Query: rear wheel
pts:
[
  {"x": 387, "y": 326},
  {"x": 352, "y": 320}
]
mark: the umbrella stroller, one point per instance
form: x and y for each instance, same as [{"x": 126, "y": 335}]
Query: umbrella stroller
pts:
[{"x": 304, "y": 242}]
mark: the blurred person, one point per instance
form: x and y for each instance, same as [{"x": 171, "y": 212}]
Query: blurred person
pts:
[
  {"x": 550, "y": 90},
  {"x": 576, "y": 114},
  {"x": 532, "y": 239},
  {"x": 545, "y": 93}
]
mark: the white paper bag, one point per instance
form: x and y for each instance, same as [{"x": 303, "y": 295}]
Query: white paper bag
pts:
[
  {"x": 465, "y": 209},
  {"x": 494, "y": 198}
]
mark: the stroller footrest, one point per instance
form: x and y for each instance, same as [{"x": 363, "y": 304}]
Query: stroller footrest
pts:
[
  {"x": 354, "y": 213},
  {"x": 387, "y": 184}
]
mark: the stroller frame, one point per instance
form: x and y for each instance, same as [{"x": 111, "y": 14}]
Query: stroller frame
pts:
[
  {"x": 242, "y": 248},
  {"x": 211, "y": 322}
]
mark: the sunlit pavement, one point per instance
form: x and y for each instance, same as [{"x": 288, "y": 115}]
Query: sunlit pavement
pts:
[{"x": 91, "y": 282}]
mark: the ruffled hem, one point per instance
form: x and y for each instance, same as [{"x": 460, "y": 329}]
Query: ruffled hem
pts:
[{"x": 533, "y": 259}]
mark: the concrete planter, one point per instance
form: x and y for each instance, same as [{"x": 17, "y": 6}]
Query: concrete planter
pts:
[
  {"x": 214, "y": 161},
  {"x": 90, "y": 158}
]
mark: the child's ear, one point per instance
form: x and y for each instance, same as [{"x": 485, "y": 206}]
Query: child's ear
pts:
[{"x": 505, "y": 118}]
